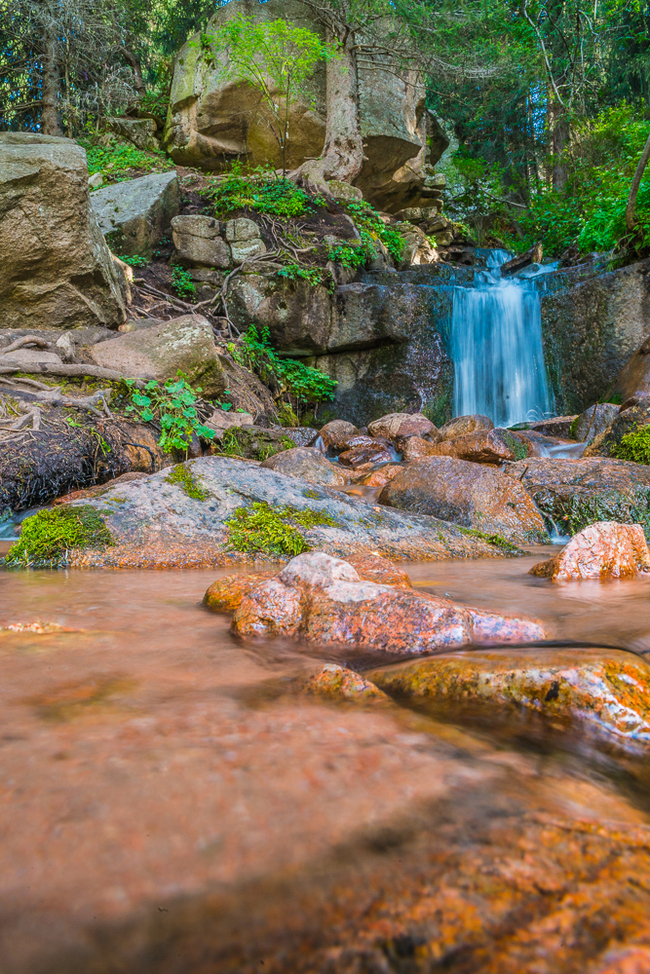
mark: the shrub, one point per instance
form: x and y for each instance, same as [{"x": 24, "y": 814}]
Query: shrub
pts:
[
  {"x": 260, "y": 190},
  {"x": 303, "y": 382}
]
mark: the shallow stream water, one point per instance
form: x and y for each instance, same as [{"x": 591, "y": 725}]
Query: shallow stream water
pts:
[{"x": 149, "y": 759}]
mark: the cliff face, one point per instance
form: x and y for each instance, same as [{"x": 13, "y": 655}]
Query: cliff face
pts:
[{"x": 213, "y": 120}]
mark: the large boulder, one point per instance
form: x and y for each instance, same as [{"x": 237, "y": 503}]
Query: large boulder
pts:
[
  {"x": 634, "y": 377},
  {"x": 184, "y": 344},
  {"x": 571, "y": 494},
  {"x": 603, "y": 550},
  {"x": 470, "y": 494},
  {"x": 493, "y": 446},
  {"x": 594, "y": 421},
  {"x": 56, "y": 268},
  {"x": 185, "y": 520},
  {"x": 606, "y": 693},
  {"x": 136, "y": 214},
  {"x": 323, "y": 600},
  {"x": 214, "y": 119}
]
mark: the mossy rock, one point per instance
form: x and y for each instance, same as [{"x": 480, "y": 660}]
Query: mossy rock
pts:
[
  {"x": 254, "y": 443},
  {"x": 261, "y": 529},
  {"x": 48, "y": 537}
]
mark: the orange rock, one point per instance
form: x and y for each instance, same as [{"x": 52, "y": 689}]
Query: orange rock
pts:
[
  {"x": 324, "y": 600},
  {"x": 606, "y": 549},
  {"x": 415, "y": 447},
  {"x": 226, "y": 593},
  {"x": 339, "y": 683},
  {"x": 484, "y": 446},
  {"x": 628, "y": 960},
  {"x": 380, "y": 476},
  {"x": 465, "y": 424},
  {"x": 374, "y": 568},
  {"x": 372, "y": 452},
  {"x": 336, "y": 434}
]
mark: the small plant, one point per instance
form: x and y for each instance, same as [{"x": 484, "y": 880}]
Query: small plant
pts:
[
  {"x": 182, "y": 476},
  {"x": 295, "y": 272},
  {"x": 261, "y": 190},
  {"x": 260, "y": 529},
  {"x": 182, "y": 282},
  {"x": 634, "y": 446},
  {"x": 349, "y": 256},
  {"x": 48, "y": 537},
  {"x": 173, "y": 406},
  {"x": 303, "y": 382},
  {"x": 252, "y": 444},
  {"x": 118, "y": 160},
  {"x": 371, "y": 228},
  {"x": 134, "y": 260}
]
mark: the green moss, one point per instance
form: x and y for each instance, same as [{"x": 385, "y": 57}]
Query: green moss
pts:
[
  {"x": 311, "y": 493},
  {"x": 48, "y": 537},
  {"x": 260, "y": 529},
  {"x": 183, "y": 477},
  {"x": 571, "y": 516},
  {"x": 519, "y": 449},
  {"x": 634, "y": 446},
  {"x": 494, "y": 539}
]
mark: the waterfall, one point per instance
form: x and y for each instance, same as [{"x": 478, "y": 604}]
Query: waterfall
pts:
[{"x": 496, "y": 346}]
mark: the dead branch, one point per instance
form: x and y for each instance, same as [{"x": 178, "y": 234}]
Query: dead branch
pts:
[{"x": 78, "y": 371}]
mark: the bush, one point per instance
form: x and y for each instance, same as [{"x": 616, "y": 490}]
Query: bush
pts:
[{"x": 260, "y": 190}]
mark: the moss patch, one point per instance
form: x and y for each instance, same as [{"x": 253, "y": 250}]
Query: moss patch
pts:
[
  {"x": 634, "y": 446},
  {"x": 183, "y": 477},
  {"x": 494, "y": 539},
  {"x": 48, "y": 537},
  {"x": 260, "y": 529},
  {"x": 252, "y": 443},
  {"x": 513, "y": 443}
]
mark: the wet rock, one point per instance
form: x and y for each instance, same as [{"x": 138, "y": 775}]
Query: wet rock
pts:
[
  {"x": 136, "y": 214},
  {"x": 198, "y": 240},
  {"x": 493, "y": 446},
  {"x": 470, "y": 494},
  {"x": 603, "y": 550},
  {"x": 594, "y": 421},
  {"x": 156, "y": 523},
  {"x": 402, "y": 425},
  {"x": 338, "y": 683},
  {"x": 558, "y": 426},
  {"x": 184, "y": 344},
  {"x": 360, "y": 455},
  {"x": 518, "y": 263},
  {"x": 301, "y": 435},
  {"x": 309, "y": 464},
  {"x": 415, "y": 448},
  {"x": 572, "y": 494},
  {"x": 226, "y": 594},
  {"x": 222, "y": 420},
  {"x": 604, "y": 692},
  {"x": 336, "y": 434},
  {"x": 323, "y": 600},
  {"x": 465, "y": 424},
  {"x": 57, "y": 271},
  {"x": 381, "y": 476},
  {"x": 540, "y": 445}
]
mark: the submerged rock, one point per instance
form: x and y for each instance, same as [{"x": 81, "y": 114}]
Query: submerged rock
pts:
[
  {"x": 605, "y": 692},
  {"x": 603, "y": 550},
  {"x": 470, "y": 494},
  {"x": 308, "y": 464},
  {"x": 180, "y": 518},
  {"x": 324, "y": 600},
  {"x": 572, "y": 494}
]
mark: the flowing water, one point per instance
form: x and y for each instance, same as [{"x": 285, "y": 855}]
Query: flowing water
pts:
[
  {"x": 151, "y": 762},
  {"x": 496, "y": 347}
]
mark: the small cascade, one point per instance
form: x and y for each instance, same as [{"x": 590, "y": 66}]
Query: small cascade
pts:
[{"x": 496, "y": 346}]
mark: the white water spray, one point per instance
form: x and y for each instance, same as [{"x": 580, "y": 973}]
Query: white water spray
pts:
[{"x": 496, "y": 346}]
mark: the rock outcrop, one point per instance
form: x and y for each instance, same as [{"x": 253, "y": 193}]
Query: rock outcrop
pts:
[
  {"x": 136, "y": 214},
  {"x": 56, "y": 268},
  {"x": 571, "y": 494},
  {"x": 603, "y": 550},
  {"x": 214, "y": 120},
  {"x": 308, "y": 464},
  {"x": 161, "y": 522},
  {"x": 469, "y": 494}
]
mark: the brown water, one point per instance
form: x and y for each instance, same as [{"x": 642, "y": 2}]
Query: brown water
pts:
[{"x": 168, "y": 802}]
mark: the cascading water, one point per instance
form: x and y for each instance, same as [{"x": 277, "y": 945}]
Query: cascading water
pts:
[{"x": 496, "y": 346}]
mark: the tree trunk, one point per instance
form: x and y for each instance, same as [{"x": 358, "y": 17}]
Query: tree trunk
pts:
[
  {"x": 342, "y": 156},
  {"x": 50, "y": 123},
  {"x": 136, "y": 67},
  {"x": 630, "y": 214},
  {"x": 559, "y": 145}
]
